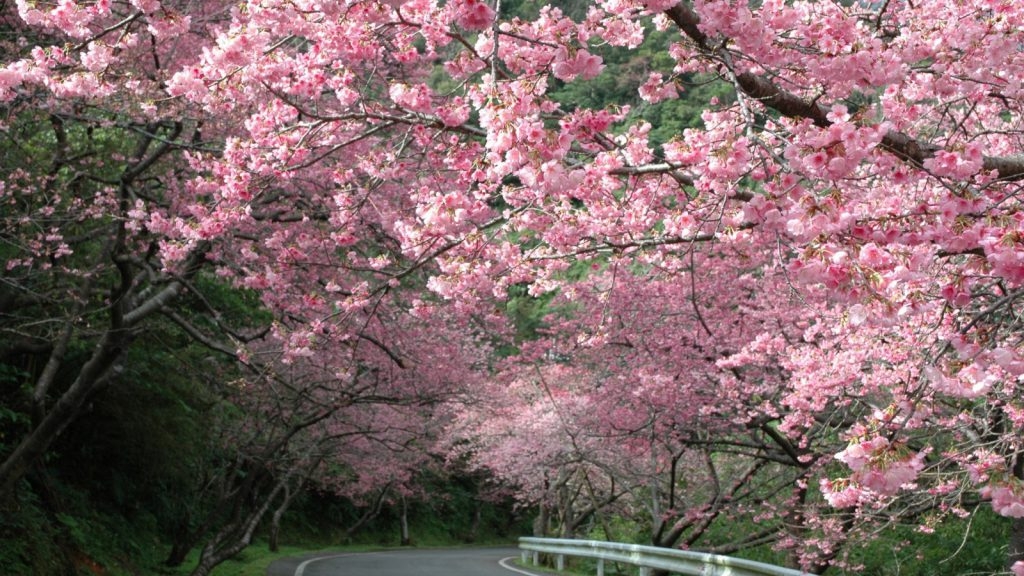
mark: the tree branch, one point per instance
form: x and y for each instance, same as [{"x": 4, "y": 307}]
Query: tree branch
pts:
[{"x": 760, "y": 88}]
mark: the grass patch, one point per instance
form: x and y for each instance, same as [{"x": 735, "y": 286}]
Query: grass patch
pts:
[{"x": 254, "y": 560}]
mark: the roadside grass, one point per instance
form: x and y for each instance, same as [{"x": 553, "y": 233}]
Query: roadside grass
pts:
[
  {"x": 573, "y": 567},
  {"x": 254, "y": 560}
]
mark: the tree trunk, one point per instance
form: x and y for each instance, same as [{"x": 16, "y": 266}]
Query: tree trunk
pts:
[
  {"x": 274, "y": 536},
  {"x": 405, "y": 522},
  {"x": 1015, "y": 550},
  {"x": 179, "y": 552},
  {"x": 184, "y": 539},
  {"x": 90, "y": 378},
  {"x": 474, "y": 528},
  {"x": 182, "y": 542},
  {"x": 540, "y": 523},
  {"x": 275, "y": 520},
  {"x": 371, "y": 512},
  {"x": 236, "y": 536}
]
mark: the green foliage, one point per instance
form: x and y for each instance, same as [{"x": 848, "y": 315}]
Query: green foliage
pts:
[
  {"x": 142, "y": 445},
  {"x": 976, "y": 544},
  {"x": 453, "y": 512},
  {"x": 670, "y": 118},
  {"x": 525, "y": 311},
  {"x": 13, "y": 422},
  {"x": 236, "y": 307},
  {"x": 529, "y": 9},
  {"x": 254, "y": 560},
  {"x": 27, "y": 540},
  {"x": 626, "y": 70}
]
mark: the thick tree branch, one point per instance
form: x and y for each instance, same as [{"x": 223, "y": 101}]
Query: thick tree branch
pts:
[
  {"x": 760, "y": 88},
  {"x": 153, "y": 304}
]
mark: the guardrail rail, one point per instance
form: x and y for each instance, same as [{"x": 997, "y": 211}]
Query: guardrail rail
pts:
[{"x": 648, "y": 558}]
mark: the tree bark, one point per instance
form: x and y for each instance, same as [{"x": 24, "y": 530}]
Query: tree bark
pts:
[
  {"x": 91, "y": 377},
  {"x": 1015, "y": 551},
  {"x": 236, "y": 536},
  {"x": 93, "y": 374},
  {"x": 540, "y": 523},
  {"x": 179, "y": 552},
  {"x": 405, "y": 540},
  {"x": 275, "y": 520},
  {"x": 184, "y": 539},
  {"x": 372, "y": 512},
  {"x": 474, "y": 527},
  {"x": 1016, "y": 548}
]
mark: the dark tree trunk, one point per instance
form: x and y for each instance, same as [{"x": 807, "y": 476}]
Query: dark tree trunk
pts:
[
  {"x": 64, "y": 411},
  {"x": 179, "y": 551},
  {"x": 275, "y": 520},
  {"x": 237, "y": 533},
  {"x": 405, "y": 522},
  {"x": 474, "y": 527},
  {"x": 274, "y": 536},
  {"x": 540, "y": 523},
  {"x": 183, "y": 540},
  {"x": 1015, "y": 550},
  {"x": 371, "y": 512}
]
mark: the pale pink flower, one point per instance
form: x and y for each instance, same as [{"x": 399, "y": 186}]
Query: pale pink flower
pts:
[
  {"x": 9, "y": 79},
  {"x": 655, "y": 89},
  {"x": 841, "y": 494},
  {"x": 1006, "y": 501},
  {"x": 582, "y": 63},
  {"x": 147, "y": 6},
  {"x": 416, "y": 98},
  {"x": 857, "y": 314},
  {"x": 874, "y": 257},
  {"x": 474, "y": 15}
]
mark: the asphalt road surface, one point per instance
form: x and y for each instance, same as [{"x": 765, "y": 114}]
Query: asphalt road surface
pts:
[{"x": 447, "y": 562}]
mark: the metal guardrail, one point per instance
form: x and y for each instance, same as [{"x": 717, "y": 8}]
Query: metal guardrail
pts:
[{"x": 649, "y": 557}]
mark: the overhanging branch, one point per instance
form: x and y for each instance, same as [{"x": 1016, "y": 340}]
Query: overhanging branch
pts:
[{"x": 790, "y": 105}]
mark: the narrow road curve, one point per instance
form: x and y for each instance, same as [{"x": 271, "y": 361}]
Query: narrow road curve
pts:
[{"x": 439, "y": 562}]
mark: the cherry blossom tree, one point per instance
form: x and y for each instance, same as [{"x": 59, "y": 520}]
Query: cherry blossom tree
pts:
[
  {"x": 292, "y": 421},
  {"x": 633, "y": 392},
  {"x": 866, "y": 167},
  {"x": 117, "y": 219},
  {"x": 85, "y": 153},
  {"x": 528, "y": 431}
]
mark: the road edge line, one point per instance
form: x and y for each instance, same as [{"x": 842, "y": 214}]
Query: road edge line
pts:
[
  {"x": 503, "y": 564},
  {"x": 302, "y": 567}
]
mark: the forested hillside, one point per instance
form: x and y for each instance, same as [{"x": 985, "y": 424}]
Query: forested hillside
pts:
[{"x": 734, "y": 276}]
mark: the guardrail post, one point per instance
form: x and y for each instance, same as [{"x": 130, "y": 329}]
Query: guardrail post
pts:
[
  {"x": 524, "y": 555},
  {"x": 560, "y": 562},
  {"x": 645, "y": 571},
  {"x": 600, "y": 567},
  {"x": 536, "y": 558}
]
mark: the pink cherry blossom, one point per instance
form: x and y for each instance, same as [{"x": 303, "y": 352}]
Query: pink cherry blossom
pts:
[
  {"x": 1006, "y": 500},
  {"x": 567, "y": 66},
  {"x": 473, "y": 14},
  {"x": 655, "y": 89}
]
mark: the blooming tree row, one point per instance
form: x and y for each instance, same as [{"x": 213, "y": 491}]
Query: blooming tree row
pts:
[{"x": 835, "y": 253}]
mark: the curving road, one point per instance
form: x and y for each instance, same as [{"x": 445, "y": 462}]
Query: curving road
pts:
[{"x": 447, "y": 562}]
